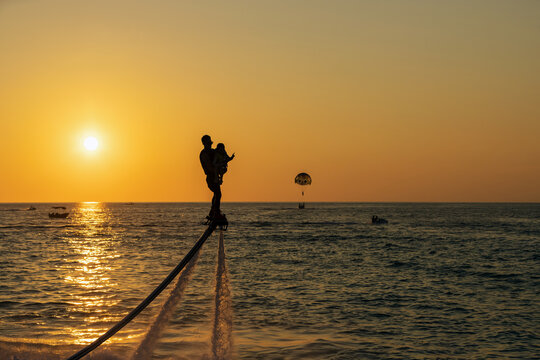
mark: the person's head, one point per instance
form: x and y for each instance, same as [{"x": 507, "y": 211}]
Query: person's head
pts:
[
  {"x": 207, "y": 141},
  {"x": 220, "y": 147}
]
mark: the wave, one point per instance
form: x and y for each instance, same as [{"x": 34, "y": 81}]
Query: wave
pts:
[
  {"x": 260, "y": 223},
  {"x": 23, "y": 349},
  {"x": 330, "y": 223},
  {"x": 34, "y": 227}
]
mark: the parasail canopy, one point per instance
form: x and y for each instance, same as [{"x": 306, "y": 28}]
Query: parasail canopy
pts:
[{"x": 302, "y": 179}]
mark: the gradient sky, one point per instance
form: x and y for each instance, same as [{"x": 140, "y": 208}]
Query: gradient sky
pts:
[{"x": 377, "y": 100}]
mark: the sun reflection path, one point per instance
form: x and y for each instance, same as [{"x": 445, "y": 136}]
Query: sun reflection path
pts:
[{"x": 88, "y": 273}]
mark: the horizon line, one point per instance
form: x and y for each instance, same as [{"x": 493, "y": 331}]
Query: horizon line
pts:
[{"x": 275, "y": 202}]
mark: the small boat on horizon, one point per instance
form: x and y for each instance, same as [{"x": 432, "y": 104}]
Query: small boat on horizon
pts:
[
  {"x": 58, "y": 215},
  {"x": 377, "y": 220}
]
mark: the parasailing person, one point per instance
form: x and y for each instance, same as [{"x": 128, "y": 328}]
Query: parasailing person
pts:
[{"x": 302, "y": 179}]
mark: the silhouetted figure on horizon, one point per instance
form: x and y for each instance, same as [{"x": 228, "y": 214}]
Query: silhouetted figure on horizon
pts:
[
  {"x": 221, "y": 159},
  {"x": 207, "y": 156}
]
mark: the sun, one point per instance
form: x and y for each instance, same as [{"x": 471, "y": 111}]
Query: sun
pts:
[{"x": 91, "y": 143}]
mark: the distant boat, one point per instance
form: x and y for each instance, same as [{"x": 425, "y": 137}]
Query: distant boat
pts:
[
  {"x": 377, "y": 220},
  {"x": 30, "y": 208},
  {"x": 58, "y": 215}
]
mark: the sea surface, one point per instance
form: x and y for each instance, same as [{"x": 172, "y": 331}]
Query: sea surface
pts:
[{"x": 439, "y": 281}]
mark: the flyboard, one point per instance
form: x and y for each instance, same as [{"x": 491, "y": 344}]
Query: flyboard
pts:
[{"x": 220, "y": 222}]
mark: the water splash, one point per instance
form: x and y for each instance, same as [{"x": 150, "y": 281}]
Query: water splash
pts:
[
  {"x": 147, "y": 345},
  {"x": 222, "y": 329}
]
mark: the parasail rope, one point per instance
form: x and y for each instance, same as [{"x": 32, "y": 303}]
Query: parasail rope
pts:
[{"x": 150, "y": 297}]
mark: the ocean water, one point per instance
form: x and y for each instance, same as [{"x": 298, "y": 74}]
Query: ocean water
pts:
[{"x": 451, "y": 281}]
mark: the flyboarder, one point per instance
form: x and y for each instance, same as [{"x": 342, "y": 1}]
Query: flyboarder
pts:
[{"x": 212, "y": 178}]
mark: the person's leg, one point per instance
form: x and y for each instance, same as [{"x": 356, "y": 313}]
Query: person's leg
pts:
[
  {"x": 210, "y": 184},
  {"x": 216, "y": 201}
]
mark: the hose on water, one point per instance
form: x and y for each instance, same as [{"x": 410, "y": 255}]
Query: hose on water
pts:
[{"x": 149, "y": 298}]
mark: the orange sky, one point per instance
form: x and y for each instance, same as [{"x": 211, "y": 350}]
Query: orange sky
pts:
[{"x": 378, "y": 101}]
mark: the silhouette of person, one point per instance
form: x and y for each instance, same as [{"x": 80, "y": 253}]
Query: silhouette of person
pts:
[
  {"x": 212, "y": 178},
  {"x": 221, "y": 159}
]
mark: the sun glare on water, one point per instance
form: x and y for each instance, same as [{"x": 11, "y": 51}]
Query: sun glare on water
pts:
[{"x": 91, "y": 143}]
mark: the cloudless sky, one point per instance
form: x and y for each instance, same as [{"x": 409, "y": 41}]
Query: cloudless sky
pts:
[{"x": 414, "y": 100}]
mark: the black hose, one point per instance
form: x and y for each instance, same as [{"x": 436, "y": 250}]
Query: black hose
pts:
[{"x": 150, "y": 297}]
